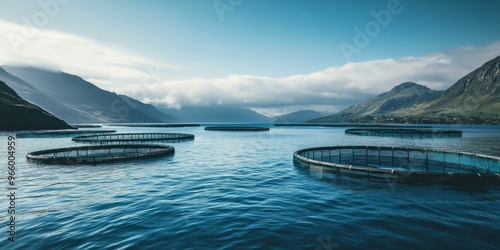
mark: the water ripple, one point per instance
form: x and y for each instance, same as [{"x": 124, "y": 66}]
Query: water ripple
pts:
[{"x": 241, "y": 190}]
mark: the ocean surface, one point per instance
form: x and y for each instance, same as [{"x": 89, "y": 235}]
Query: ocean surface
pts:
[{"x": 240, "y": 190}]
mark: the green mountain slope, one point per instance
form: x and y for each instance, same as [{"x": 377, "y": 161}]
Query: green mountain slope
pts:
[
  {"x": 474, "y": 99},
  {"x": 404, "y": 95},
  {"x": 477, "y": 92},
  {"x": 76, "y": 100},
  {"x": 18, "y": 114},
  {"x": 33, "y": 95}
]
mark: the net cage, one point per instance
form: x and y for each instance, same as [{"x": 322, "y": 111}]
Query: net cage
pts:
[
  {"x": 62, "y": 133},
  {"x": 402, "y": 164},
  {"x": 155, "y": 125},
  {"x": 405, "y": 132},
  {"x": 237, "y": 128},
  {"x": 134, "y": 138},
  {"x": 99, "y": 154}
]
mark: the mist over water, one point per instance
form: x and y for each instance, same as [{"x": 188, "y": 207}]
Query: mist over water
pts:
[{"x": 229, "y": 190}]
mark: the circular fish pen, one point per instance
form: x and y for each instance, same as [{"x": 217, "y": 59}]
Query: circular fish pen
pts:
[
  {"x": 155, "y": 125},
  {"x": 134, "y": 138},
  {"x": 352, "y": 125},
  {"x": 62, "y": 133},
  {"x": 408, "y": 165},
  {"x": 99, "y": 154},
  {"x": 86, "y": 126},
  {"x": 237, "y": 129},
  {"x": 405, "y": 132}
]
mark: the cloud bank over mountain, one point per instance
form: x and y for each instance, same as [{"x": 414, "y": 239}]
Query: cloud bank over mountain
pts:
[
  {"x": 332, "y": 89},
  {"x": 104, "y": 64}
]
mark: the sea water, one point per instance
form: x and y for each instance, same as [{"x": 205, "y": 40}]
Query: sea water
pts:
[{"x": 240, "y": 190}]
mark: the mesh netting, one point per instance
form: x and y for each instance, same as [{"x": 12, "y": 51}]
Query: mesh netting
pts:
[
  {"x": 405, "y": 132},
  {"x": 98, "y": 154},
  {"x": 237, "y": 128},
  {"x": 62, "y": 133},
  {"x": 134, "y": 138},
  {"x": 408, "y": 164}
]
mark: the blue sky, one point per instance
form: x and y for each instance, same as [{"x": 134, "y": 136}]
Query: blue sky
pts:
[{"x": 182, "y": 40}]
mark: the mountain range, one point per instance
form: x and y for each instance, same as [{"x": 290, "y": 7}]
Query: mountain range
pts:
[
  {"x": 402, "y": 96},
  {"x": 75, "y": 100},
  {"x": 217, "y": 114},
  {"x": 474, "y": 99},
  {"x": 476, "y": 96},
  {"x": 18, "y": 114},
  {"x": 297, "y": 117}
]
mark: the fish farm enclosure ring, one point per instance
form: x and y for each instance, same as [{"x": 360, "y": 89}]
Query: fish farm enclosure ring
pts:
[
  {"x": 134, "y": 138},
  {"x": 237, "y": 128},
  {"x": 63, "y": 133},
  {"x": 404, "y": 132},
  {"x": 411, "y": 165},
  {"x": 99, "y": 154}
]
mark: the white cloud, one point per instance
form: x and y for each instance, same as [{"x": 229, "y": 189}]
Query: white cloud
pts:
[
  {"x": 104, "y": 64},
  {"x": 327, "y": 90}
]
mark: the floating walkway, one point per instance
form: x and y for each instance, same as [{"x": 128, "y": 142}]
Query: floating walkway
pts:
[
  {"x": 134, "y": 138},
  {"x": 412, "y": 165},
  {"x": 237, "y": 128},
  {"x": 405, "y": 132},
  {"x": 61, "y": 133},
  {"x": 99, "y": 154}
]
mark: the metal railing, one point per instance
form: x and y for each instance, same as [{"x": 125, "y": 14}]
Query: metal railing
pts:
[
  {"x": 62, "y": 133},
  {"x": 134, "y": 138},
  {"x": 237, "y": 128},
  {"x": 98, "y": 154},
  {"x": 410, "y": 163},
  {"x": 405, "y": 132}
]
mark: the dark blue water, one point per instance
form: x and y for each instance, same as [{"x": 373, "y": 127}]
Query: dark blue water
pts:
[{"x": 237, "y": 190}]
